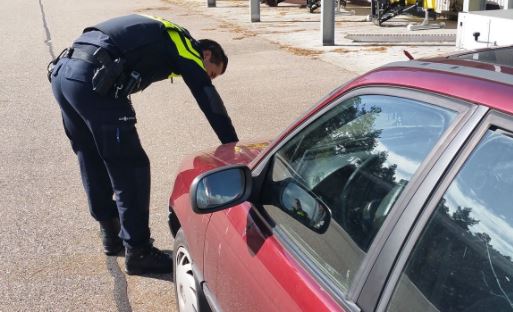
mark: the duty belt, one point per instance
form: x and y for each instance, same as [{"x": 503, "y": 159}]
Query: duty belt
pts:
[
  {"x": 88, "y": 53},
  {"x": 110, "y": 75}
]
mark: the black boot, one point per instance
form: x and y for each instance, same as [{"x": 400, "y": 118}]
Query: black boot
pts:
[
  {"x": 112, "y": 244},
  {"x": 147, "y": 259}
]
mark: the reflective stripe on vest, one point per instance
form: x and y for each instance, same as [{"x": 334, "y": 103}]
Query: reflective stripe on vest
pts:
[{"x": 182, "y": 43}]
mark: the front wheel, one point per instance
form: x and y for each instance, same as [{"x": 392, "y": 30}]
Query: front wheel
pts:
[{"x": 189, "y": 295}]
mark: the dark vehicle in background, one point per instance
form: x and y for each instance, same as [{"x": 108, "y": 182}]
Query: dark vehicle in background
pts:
[{"x": 394, "y": 193}]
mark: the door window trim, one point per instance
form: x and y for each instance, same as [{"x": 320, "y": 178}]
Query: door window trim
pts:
[
  {"x": 494, "y": 119},
  {"x": 464, "y": 112}
]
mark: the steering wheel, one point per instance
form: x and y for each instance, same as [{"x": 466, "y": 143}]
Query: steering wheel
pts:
[{"x": 346, "y": 209}]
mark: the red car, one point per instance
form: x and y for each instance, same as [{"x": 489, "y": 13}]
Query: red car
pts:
[{"x": 395, "y": 193}]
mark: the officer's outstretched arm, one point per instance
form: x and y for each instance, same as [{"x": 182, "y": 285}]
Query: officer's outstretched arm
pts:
[{"x": 209, "y": 101}]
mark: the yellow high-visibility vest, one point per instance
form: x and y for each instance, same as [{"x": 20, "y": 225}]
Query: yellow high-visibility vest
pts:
[{"x": 182, "y": 43}]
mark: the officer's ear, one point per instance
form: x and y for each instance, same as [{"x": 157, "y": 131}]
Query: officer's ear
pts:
[{"x": 207, "y": 54}]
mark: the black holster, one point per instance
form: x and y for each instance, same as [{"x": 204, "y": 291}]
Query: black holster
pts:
[
  {"x": 108, "y": 74},
  {"x": 112, "y": 76},
  {"x": 128, "y": 85}
]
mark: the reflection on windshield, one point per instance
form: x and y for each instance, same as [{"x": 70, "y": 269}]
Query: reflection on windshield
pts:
[
  {"x": 356, "y": 159},
  {"x": 403, "y": 131}
]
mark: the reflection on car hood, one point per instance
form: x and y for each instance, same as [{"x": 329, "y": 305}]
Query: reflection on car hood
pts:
[
  {"x": 223, "y": 155},
  {"x": 240, "y": 153}
]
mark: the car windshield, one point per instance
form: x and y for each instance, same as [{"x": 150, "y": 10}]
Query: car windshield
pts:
[{"x": 498, "y": 56}]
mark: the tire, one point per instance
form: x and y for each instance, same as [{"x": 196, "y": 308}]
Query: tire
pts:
[{"x": 188, "y": 292}]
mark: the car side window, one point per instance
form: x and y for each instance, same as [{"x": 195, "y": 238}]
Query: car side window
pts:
[
  {"x": 354, "y": 161},
  {"x": 463, "y": 259}
]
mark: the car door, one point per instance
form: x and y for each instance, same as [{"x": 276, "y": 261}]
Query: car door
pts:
[
  {"x": 459, "y": 255},
  {"x": 360, "y": 158}
]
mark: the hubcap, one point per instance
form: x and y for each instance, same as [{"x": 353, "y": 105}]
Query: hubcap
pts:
[{"x": 184, "y": 283}]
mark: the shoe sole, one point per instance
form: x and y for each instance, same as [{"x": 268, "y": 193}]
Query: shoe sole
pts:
[
  {"x": 113, "y": 251},
  {"x": 141, "y": 272}
]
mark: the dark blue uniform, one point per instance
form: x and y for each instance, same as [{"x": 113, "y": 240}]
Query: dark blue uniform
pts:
[{"x": 102, "y": 129}]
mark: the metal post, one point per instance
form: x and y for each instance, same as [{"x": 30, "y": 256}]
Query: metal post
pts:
[
  {"x": 211, "y": 3},
  {"x": 254, "y": 10},
  {"x": 328, "y": 22}
]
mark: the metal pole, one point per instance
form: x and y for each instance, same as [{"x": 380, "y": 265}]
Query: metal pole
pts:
[
  {"x": 211, "y": 3},
  {"x": 254, "y": 10},
  {"x": 328, "y": 22}
]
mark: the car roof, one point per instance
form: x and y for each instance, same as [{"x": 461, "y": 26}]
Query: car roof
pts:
[{"x": 458, "y": 75}]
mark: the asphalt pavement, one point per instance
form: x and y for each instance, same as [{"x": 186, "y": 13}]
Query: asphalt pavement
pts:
[{"x": 51, "y": 257}]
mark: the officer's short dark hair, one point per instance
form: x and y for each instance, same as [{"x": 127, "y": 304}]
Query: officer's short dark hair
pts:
[{"x": 218, "y": 55}]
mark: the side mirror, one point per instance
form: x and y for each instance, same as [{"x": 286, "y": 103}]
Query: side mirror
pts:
[
  {"x": 305, "y": 207},
  {"x": 220, "y": 188}
]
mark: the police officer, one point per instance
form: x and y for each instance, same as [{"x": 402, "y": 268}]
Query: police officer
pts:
[{"x": 92, "y": 82}]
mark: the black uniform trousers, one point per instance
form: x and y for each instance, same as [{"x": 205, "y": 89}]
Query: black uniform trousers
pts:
[{"x": 112, "y": 161}]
